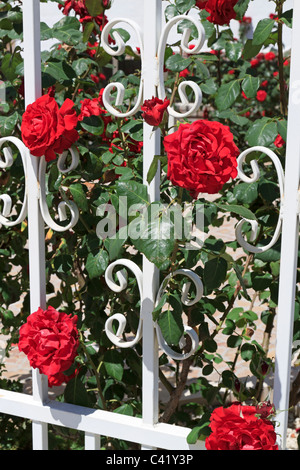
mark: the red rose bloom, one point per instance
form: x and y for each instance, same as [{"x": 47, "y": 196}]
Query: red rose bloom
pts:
[
  {"x": 239, "y": 428},
  {"x": 270, "y": 56},
  {"x": 221, "y": 11},
  {"x": 201, "y": 156},
  {"x": 46, "y": 129},
  {"x": 261, "y": 95},
  {"x": 50, "y": 341},
  {"x": 201, "y": 4},
  {"x": 279, "y": 141},
  {"x": 90, "y": 107},
  {"x": 81, "y": 10},
  {"x": 154, "y": 110}
]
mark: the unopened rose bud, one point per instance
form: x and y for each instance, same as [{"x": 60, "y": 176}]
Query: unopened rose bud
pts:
[{"x": 264, "y": 368}]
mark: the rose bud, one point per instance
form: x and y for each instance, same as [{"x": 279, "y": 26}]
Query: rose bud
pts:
[{"x": 154, "y": 110}]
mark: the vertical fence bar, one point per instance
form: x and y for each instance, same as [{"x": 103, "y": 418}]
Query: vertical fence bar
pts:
[
  {"x": 36, "y": 230},
  {"x": 290, "y": 241},
  {"x": 91, "y": 441},
  {"x": 152, "y": 29}
]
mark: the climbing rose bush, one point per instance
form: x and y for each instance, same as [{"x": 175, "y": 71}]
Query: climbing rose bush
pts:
[
  {"x": 50, "y": 341},
  {"x": 201, "y": 156},
  {"x": 241, "y": 427}
]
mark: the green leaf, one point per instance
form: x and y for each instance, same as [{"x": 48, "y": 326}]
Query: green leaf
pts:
[
  {"x": 177, "y": 63},
  {"x": 170, "y": 12},
  {"x": 287, "y": 18},
  {"x": 81, "y": 65},
  {"x": 76, "y": 393},
  {"x": 201, "y": 431},
  {"x": 240, "y": 8},
  {"x": 261, "y": 282},
  {"x": 171, "y": 325},
  {"x": 79, "y": 196},
  {"x": 152, "y": 233},
  {"x": 94, "y": 7},
  {"x": 239, "y": 210},
  {"x": 154, "y": 166},
  {"x": 247, "y": 351},
  {"x": 262, "y": 132},
  {"x": 113, "y": 364},
  {"x": 250, "y": 85},
  {"x": 234, "y": 50},
  {"x": 262, "y": 31},
  {"x": 227, "y": 94},
  {"x": 215, "y": 272},
  {"x": 9, "y": 64},
  {"x": 67, "y": 30},
  {"x": 135, "y": 192},
  {"x": 184, "y": 5},
  {"x": 125, "y": 409},
  {"x": 282, "y": 128},
  {"x": 96, "y": 265},
  {"x": 88, "y": 29},
  {"x": 246, "y": 193},
  {"x": 209, "y": 87},
  {"x": 7, "y": 124},
  {"x": 93, "y": 124},
  {"x": 114, "y": 245},
  {"x": 60, "y": 70},
  {"x": 250, "y": 49}
]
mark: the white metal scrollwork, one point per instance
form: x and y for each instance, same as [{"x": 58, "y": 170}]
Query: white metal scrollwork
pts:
[
  {"x": 6, "y": 163},
  {"x": 247, "y": 179},
  {"x": 186, "y": 83},
  {"x": 120, "y": 318},
  {"x": 187, "y": 302},
  {"x": 119, "y": 50},
  {"x": 63, "y": 205},
  {"x": 116, "y": 339}
]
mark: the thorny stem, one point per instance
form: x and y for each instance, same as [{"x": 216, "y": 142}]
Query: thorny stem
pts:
[{"x": 283, "y": 97}]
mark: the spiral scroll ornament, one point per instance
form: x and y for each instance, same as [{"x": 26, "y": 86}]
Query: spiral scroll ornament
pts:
[
  {"x": 5, "y": 163},
  {"x": 63, "y": 205},
  {"x": 252, "y": 179}
]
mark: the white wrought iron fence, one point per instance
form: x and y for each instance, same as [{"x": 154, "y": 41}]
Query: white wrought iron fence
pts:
[{"x": 146, "y": 430}]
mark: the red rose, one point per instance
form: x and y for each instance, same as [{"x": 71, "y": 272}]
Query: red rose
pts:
[
  {"x": 90, "y": 107},
  {"x": 81, "y": 10},
  {"x": 201, "y": 4},
  {"x": 154, "y": 110},
  {"x": 221, "y": 11},
  {"x": 46, "y": 129},
  {"x": 50, "y": 341},
  {"x": 270, "y": 56},
  {"x": 201, "y": 156},
  {"x": 279, "y": 142},
  {"x": 254, "y": 63},
  {"x": 239, "y": 428},
  {"x": 261, "y": 95}
]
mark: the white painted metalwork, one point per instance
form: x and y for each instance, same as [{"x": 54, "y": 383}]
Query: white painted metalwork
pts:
[
  {"x": 6, "y": 163},
  {"x": 247, "y": 179},
  {"x": 146, "y": 430}
]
